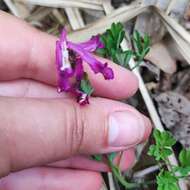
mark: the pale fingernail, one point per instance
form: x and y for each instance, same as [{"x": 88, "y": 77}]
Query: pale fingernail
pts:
[{"x": 125, "y": 129}]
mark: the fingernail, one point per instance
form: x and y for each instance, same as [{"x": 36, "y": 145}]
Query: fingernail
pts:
[{"x": 125, "y": 129}]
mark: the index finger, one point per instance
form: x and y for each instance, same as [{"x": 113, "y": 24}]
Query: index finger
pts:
[{"x": 28, "y": 53}]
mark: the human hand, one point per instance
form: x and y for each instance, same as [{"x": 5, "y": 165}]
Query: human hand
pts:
[{"x": 43, "y": 134}]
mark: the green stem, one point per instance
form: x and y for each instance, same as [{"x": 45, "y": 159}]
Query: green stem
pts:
[
  {"x": 120, "y": 178},
  {"x": 137, "y": 64},
  {"x": 171, "y": 169}
]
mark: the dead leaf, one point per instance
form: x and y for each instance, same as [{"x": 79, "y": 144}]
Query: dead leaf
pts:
[
  {"x": 160, "y": 56},
  {"x": 174, "y": 110}
]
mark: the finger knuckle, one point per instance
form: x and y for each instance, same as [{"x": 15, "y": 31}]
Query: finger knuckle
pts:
[{"x": 76, "y": 137}]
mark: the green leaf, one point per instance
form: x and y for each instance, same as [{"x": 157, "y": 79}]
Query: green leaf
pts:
[
  {"x": 112, "y": 39},
  {"x": 137, "y": 39},
  {"x": 165, "y": 152},
  {"x": 112, "y": 156},
  {"x": 184, "y": 158},
  {"x": 141, "y": 45},
  {"x": 101, "y": 52},
  {"x": 166, "y": 181},
  {"x": 146, "y": 41},
  {"x": 154, "y": 151},
  {"x": 123, "y": 58},
  {"x": 184, "y": 171},
  {"x": 97, "y": 157},
  {"x": 157, "y": 136},
  {"x": 85, "y": 85},
  {"x": 120, "y": 39},
  {"x": 164, "y": 139},
  {"x": 163, "y": 143},
  {"x": 118, "y": 33},
  {"x": 167, "y": 139}
]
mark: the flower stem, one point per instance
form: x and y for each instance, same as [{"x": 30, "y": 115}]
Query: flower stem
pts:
[{"x": 120, "y": 178}]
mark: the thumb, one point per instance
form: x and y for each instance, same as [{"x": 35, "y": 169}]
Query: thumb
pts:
[{"x": 36, "y": 132}]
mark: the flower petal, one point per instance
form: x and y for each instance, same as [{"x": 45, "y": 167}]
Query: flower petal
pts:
[
  {"x": 65, "y": 72},
  {"x": 92, "y": 44},
  {"x": 58, "y": 55},
  {"x": 82, "y": 98},
  {"x": 95, "y": 65},
  {"x": 63, "y": 36},
  {"x": 79, "y": 70},
  {"x": 107, "y": 72},
  {"x": 64, "y": 81},
  {"x": 64, "y": 85}
]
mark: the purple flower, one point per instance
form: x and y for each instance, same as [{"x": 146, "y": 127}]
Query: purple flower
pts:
[
  {"x": 69, "y": 60},
  {"x": 83, "y": 98},
  {"x": 92, "y": 44}
]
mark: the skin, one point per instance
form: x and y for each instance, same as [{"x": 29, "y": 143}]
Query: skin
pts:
[{"x": 43, "y": 141}]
